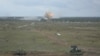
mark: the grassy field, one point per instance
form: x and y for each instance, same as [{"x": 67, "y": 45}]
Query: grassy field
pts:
[{"x": 41, "y": 36}]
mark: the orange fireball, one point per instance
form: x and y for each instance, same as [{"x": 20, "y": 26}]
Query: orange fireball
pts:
[{"x": 49, "y": 15}]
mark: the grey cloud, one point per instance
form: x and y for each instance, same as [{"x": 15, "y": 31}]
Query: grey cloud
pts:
[{"x": 58, "y": 7}]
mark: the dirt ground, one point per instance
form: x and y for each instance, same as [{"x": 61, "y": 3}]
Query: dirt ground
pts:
[{"x": 42, "y": 53}]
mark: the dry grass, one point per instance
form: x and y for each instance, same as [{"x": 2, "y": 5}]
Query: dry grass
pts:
[{"x": 42, "y": 36}]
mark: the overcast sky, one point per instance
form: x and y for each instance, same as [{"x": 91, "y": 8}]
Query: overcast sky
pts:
[{"x": 58, "y": 7}]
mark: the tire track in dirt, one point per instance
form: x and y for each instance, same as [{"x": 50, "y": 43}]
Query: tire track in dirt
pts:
[
  {"x": 56, "y": 40},
  {"x": 53, "y": 38}
]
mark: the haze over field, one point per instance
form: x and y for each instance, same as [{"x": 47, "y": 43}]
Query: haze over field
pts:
[{"x": 49, "y": 27}]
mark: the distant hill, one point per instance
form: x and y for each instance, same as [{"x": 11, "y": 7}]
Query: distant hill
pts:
[
  {"x": 10, "y": 18},
  {"x": 64, "y": 19},
  {"x": 78, "y": 19}
]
